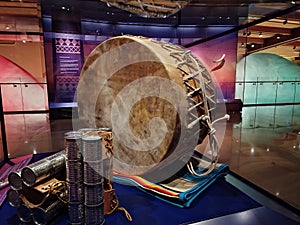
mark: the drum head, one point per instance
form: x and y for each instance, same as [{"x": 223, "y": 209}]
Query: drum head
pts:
[{"x": 136, "y": 86}]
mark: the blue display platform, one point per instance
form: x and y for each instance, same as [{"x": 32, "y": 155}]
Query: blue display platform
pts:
[{"x": 221, "y": 203}]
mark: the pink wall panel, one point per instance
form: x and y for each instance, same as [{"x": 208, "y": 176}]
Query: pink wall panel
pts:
[{"x": 19, "y": 91}]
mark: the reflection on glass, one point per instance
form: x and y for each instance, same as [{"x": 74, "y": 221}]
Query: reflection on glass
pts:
[
  {"x": 264, "y": 116},
  {"x": 250, "y": 93},
  {"x": 266, "y": 93},
  {"x": 27, "y": 133},
  {"x": 296, "y": 114},
  {"x": 24, "y": 97},
  {"x": 248, "y": 117},
  {"x": 297, "y": 92},
  {"x": 1, "y": 147},
  {"x": 11, "y": 97},
  {"x": 270, "y": 116},
  {"x": 285, "y": 92},
  {"x": 34, "y": 97},
  {"x": 283, "y": 116}
]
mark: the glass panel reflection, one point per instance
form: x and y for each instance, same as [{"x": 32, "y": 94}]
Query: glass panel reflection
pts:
[
  {"x": 34, "y": 97},
  {"x": 250, "y": 93},
  {"x": 239, "y": 90},
  {"x": 296, "y": 114},
  {"x": 1, "y": 146},
  {"x": 266, "y": 92},
  {"x": 264, "y": 116},
  {"x": 283, "y": 115},
  {"x": 24, "y": 97},
  {"x": 285, "y": 92},
  {"x": 11, "y": 97},
  {"x": 248, "y": 119},
  {"x": 297, "y": 92},
  {"x": 27, "y": 134}
]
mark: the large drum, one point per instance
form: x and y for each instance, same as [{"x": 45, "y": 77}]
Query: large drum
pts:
[{"x": 157, "y": 97}]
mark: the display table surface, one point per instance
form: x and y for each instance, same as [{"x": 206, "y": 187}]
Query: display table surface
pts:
[{"x": 221, "y": 203}]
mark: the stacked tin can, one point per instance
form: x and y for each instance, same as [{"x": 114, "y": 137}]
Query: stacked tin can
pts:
[
  {"x": 42, "y": 169},
  {"x": 27, "y": 179},
  {"x": 93, "y": 184},
  {"x": 74, "y": 177}
]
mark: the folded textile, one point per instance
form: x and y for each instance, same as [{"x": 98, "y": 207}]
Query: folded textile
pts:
[{"x": 181, "y": 190}]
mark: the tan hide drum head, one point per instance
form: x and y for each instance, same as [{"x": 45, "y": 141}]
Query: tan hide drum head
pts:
[{"x": 155, "y": 96}]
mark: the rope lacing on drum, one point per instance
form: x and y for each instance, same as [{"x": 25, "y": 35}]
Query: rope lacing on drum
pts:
[
  {"x": 192, "y": 171},
  {"x": 192, "y": 124},
  {"x": 225, "y": 117},
  {"x": 197, "y": 81},
  {"x": 212, "y": 131},
  {"x": 190, "y": 94},
  {"x": 195, "y": 106},
  {"x": 188, "y": 85},
  {"x": 141, "y": 4}
]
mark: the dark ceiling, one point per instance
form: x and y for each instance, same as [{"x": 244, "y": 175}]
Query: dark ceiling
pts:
[{"x": 272, "y": 25}]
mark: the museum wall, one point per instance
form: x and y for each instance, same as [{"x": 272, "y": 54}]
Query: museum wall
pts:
[{"x": 219, "y": 56}]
